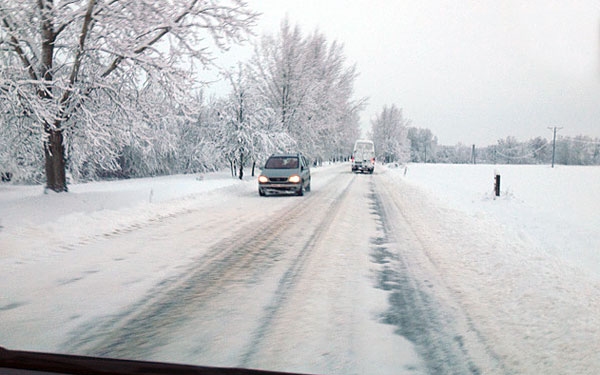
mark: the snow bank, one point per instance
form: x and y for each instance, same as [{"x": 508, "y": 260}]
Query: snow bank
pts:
[
  {"x": 525, "y": 266},
  {"x": 33, "y": 220}
]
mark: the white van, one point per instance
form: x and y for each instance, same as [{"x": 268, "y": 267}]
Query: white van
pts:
[{"x": 363, "y": 156}]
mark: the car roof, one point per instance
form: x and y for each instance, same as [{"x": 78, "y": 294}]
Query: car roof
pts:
[{"x": 285, "y": 155}]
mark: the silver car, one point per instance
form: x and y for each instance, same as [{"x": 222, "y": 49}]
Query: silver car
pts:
[{"x": 285, "y": 173}]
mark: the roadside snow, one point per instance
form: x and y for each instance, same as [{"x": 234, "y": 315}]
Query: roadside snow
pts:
[
  {"x": 556, "y": 208},
  {"x": 32, "y": 205},
  {"x": 526, "y": 265}
]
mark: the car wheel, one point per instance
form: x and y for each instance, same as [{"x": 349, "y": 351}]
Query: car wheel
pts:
[
  {"x": 301, "y": 190},
  {"x": 308, "y": 186}
]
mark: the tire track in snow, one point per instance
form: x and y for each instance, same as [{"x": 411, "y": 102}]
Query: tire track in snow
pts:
[
  {"x": 288, "y": 280},
  {"x": 136, "y": 331},
  {"x": 139, "y": 330},
  {"x": 445, "y": 336}
]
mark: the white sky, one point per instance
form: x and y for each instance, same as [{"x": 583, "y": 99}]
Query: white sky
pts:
[{"x": 471, "y": 71}]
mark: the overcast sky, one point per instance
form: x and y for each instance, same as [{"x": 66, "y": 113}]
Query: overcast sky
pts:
[{"x": 471, "y": 71}]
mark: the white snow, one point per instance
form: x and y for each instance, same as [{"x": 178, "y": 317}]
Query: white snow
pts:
[
  {"x": 525, "y": 265},
  {"x": 558, "y": 209}
]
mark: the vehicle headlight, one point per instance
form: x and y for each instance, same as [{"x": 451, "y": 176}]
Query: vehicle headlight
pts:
[
  {"x": 294, "y": 179},
  {"x": 263, "y": 179}
]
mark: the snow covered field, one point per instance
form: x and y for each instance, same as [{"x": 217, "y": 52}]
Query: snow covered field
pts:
[
  {"x": 524, "y": 266},
  {"x": 556, "y": 209}
]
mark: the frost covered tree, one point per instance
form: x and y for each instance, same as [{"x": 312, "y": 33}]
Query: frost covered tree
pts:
[
  {"x": 330, "y": 108},
  {"x": 248, "y": 130},
  {"x": 390, "y": 131},
  {"x": 423, "y": 145},
  {"x": 456, "y": 154},
  {"x": 540, "y": 149},
  {"x": 511, "y": 151},
  {"x": 198, "y": 141},
  {"x": 150, "y": 146},
  {"x": 75, "y": 74},
  {"x": 305, "y": 82},
  {"x": 578, "y": 150}
]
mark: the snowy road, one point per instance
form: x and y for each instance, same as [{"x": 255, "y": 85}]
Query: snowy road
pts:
[
  {"x": 365, "y": 274},
  {"x": 290, "y": 284}
]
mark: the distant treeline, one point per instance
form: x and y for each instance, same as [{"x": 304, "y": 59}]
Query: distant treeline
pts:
[{"x": 579, "y": 150}]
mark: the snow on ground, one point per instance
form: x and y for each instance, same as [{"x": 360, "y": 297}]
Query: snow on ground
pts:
[
  {"x": 539, "y": 277},
  {"x": 45, "y": 273},
  {"x": 32, "y": 219},
  {"x": 557, "y": 208},
  {"x": 31, "y": 205},
  {"x": 525, "y": 266}
]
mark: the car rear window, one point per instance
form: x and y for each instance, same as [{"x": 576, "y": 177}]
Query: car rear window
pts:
[
  {"x": 364, "y": 146},
  {"x": 282, "y": 163}
]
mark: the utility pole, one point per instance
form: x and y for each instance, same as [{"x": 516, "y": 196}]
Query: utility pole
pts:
[{"x": 554, "y": 143}]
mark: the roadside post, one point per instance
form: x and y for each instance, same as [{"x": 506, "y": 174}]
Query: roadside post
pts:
[{"x": 497, "y": 184}]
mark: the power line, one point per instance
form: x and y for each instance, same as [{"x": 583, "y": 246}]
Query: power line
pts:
[
  {"x": 574, "y": 140},
  {"x": 524, "y": 156}
]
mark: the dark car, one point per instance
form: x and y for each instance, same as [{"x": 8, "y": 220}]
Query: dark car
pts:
[{"x": 285, "y": 173}]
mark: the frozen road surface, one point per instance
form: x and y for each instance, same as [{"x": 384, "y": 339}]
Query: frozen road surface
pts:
[{"x": 344, "y": 280}]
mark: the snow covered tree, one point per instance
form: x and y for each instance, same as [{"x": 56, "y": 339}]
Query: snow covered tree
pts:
[
  {"x": 197, "y": 142},
  {"x": 79, "y": 70},
  {"x": 423, "y": 145},
  {"x": 540, "y": 149},
  {"x": 248, "y": 130},
  {"x": 390, "y": 131},
  {"x": 578, "y": 150},
  {"x": 306, "y": 84},
  {"x": 16, "y": 156},
  {"x": 511, "y": 151}
]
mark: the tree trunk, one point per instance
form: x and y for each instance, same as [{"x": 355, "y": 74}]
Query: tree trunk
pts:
[
  {"x": 253, "y": 167},
  {"x": 241, "y": 166},
  {"x": 54, "y": 152}
]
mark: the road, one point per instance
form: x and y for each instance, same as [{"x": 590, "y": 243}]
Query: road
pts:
[{"x": 336, "y": 282}]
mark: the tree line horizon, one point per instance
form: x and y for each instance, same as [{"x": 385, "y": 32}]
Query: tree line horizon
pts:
[
  {"x": 100, "y": 89},
  {"x": 569, "y": 150}
]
